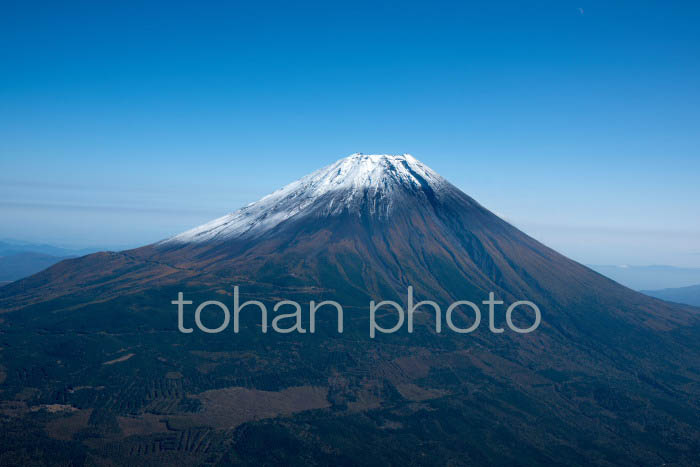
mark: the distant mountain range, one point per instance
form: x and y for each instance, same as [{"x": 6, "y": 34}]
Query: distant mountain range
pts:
[
  {"x": 689, "y": 295},
  {"x": 94, "y": 370},
  {"x": 10, "y": 247},
  {"x": 650, "y": 277},
  {"x": 19, "y": 265},
  {"x": 20, "y": 259}
]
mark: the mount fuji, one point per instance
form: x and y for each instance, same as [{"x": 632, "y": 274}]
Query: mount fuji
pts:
[{"x": 611, "y": 377}]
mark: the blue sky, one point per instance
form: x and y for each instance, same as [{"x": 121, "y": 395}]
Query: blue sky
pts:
[{"x": 123, "y": 123}]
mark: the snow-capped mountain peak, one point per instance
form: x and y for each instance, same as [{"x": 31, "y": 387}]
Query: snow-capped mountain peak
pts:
[{"x": 354, "y": 184}]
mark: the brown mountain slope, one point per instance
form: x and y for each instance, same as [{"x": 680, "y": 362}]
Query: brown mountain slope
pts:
[{"x": 611, "y": 377}]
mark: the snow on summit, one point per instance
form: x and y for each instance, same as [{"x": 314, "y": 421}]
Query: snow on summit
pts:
[{"x": 343, "y": 186}]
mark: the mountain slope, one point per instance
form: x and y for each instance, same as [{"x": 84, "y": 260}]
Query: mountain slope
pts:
[
  {"x": 369, "y": 226},
  {"x": 611, "y": 376}
]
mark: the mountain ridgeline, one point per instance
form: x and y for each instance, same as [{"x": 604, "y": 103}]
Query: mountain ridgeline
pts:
[{"x": 94, "y": 368}]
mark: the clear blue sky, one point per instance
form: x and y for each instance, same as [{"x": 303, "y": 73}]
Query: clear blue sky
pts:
[{"x": 125, "y": 123}]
